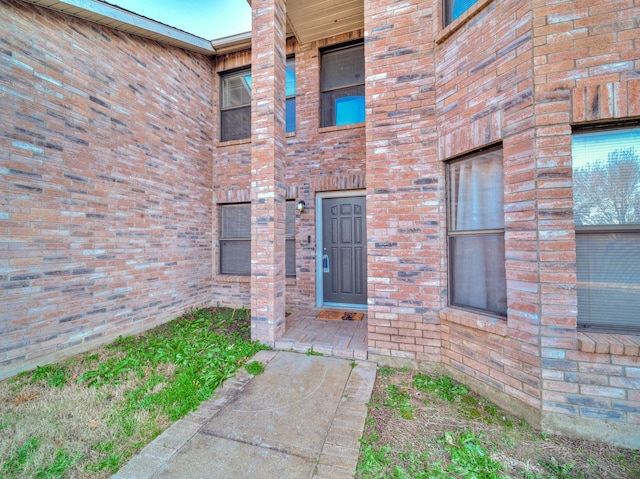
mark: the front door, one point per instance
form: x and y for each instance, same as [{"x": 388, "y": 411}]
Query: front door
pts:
[{"x": 344, "y": 251}]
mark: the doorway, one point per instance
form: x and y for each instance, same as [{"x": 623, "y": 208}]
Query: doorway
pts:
[{"x": 342, "y": 250}]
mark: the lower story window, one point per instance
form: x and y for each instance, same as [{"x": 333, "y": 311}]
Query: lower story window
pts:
[
  {"x": 477, "y": 275},
  {"x": 235, "y": 239},
  {"x": 290, "y": 246},
  {"x": 606, "y": 197}
]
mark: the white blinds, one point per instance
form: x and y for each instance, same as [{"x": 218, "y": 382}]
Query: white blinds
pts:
[{"x": 606, "y": 194}]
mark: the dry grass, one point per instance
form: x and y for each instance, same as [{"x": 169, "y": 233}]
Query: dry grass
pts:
[
  {"x": 412, "y": 446},
  {"x": 55, "y": 423}
]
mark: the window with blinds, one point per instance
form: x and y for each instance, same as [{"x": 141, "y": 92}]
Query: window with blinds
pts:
[
  {"x": 235, "y": 105},
  {"x": 290, "y": 242},
  {"x": 235, "y": 239},
  {"x": 606, "y": 196}
]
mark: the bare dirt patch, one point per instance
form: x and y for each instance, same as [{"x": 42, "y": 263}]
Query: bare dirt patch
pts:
[{"x": 428, "y": 428}]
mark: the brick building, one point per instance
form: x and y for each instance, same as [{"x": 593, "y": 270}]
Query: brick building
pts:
[{"x": 469, "y": 172}]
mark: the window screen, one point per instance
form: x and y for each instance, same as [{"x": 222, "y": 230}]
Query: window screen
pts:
[
  {"x": 477, "y": 272},
  {"x": 235, "y": 239},
  {"x": 606, "y": 196},
  {"x": 342, "y": 85},
  {"x": 290, "y": 227},
  {"x": 235, "y": 105}
]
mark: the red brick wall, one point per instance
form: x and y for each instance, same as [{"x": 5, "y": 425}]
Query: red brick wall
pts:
[
  {"x": 105, "y": 179},
  {"x": 404, "y": 183},
  {"x": 485, "y": 95},
  {"x": 587, "y": 70},
  {"x": 317, "y": 160}
]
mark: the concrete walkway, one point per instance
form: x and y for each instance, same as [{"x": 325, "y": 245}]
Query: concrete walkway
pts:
[{"x": 301, "y": 418}]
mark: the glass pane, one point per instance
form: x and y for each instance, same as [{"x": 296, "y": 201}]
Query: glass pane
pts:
[
  {"x": 476, "y": 193},
  {"x": 291, "y": 78},
  {"x": 343, "y": 107},
  {"x": 235, "y": 221},
  {"x": 606, "y": 177},
  {"x": 291, "y": 115},
  {"x": 342, "y": 68},
  {"x": 478, "y": 276},
  {"x": 236, "y": 89},
  {"x": 608, "y": 280},
  {"x": 235, "y": 257},
  {"x": 235, "y": 124},
  {"x": 455, "y": 8}
]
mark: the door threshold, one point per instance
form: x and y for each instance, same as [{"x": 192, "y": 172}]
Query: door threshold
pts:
[{"x": 355, "y": 307}]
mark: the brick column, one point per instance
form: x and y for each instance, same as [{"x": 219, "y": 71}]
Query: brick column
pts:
[{"x": 267, "y": 170}]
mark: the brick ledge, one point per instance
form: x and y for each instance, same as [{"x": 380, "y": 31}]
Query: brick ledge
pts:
[
  {"x": 615, "y": 344},
  {"x": 474, "y": 320},
  {"x": 350, "y": 126}
]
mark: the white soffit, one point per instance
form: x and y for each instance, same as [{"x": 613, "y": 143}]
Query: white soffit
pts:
[
  {"x": 120, "y": 19},
  {"x": 314, "y": 20}
]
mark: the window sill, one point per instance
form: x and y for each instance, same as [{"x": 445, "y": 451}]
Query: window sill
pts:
[
  {"x": 474, "y": 320},
  {"x": 223, "y": 144},
  {"x": 614, "y": 344},
  {"x": 447, "y": 31},
  {"x": 329, "y": 129},
  {"x": 232, "y": 278}
]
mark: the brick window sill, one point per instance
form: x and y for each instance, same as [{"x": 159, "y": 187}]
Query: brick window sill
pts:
[
  {"x": 224, "y": 144},
  {"x": 447, "y": 31},
  {"x": 474, "y": 320},
  {"x": 329, "y": 129},
  {"x": 232, "y": 278},
  {"x": 614, "y": 344}
]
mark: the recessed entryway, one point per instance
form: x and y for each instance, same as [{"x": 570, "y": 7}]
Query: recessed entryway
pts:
[{"x": 342, "y": 250}]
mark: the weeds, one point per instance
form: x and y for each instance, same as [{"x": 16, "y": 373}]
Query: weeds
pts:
[
  {"x": 443, "y": 386},
  {"x": 399, "y": 400},
  {"x": 444, "y": 431},
  {"x": 255, "y": 368}
]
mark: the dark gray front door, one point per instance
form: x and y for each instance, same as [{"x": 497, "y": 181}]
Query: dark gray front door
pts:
[{"x": 344, "y": 248}]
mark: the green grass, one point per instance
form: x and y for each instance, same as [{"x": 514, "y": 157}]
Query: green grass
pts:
[
  {"x": 88, "y": 415},
  {"x": 443, "y": 386}
]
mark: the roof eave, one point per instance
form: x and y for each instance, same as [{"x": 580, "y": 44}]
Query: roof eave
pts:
[{"x": 120, "y": 19}]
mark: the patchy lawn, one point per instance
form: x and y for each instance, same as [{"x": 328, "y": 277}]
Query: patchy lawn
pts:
[
  {"x": 425, "y": 427},
  {"x": 87, "y": 416}
]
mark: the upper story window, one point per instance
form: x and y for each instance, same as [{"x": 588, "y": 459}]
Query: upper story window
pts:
[
  {"x": 606, "y": 198},
  {"x": 291, "y": 96},
  {"x": 342, "y": 85},
  {"x": 235, "y": 105},
  {"x": 454, "y": 8},
  {"x": 477, "y": 273}
]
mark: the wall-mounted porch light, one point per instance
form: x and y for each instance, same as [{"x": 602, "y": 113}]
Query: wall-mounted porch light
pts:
[{"x": 301, "y": 206}]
